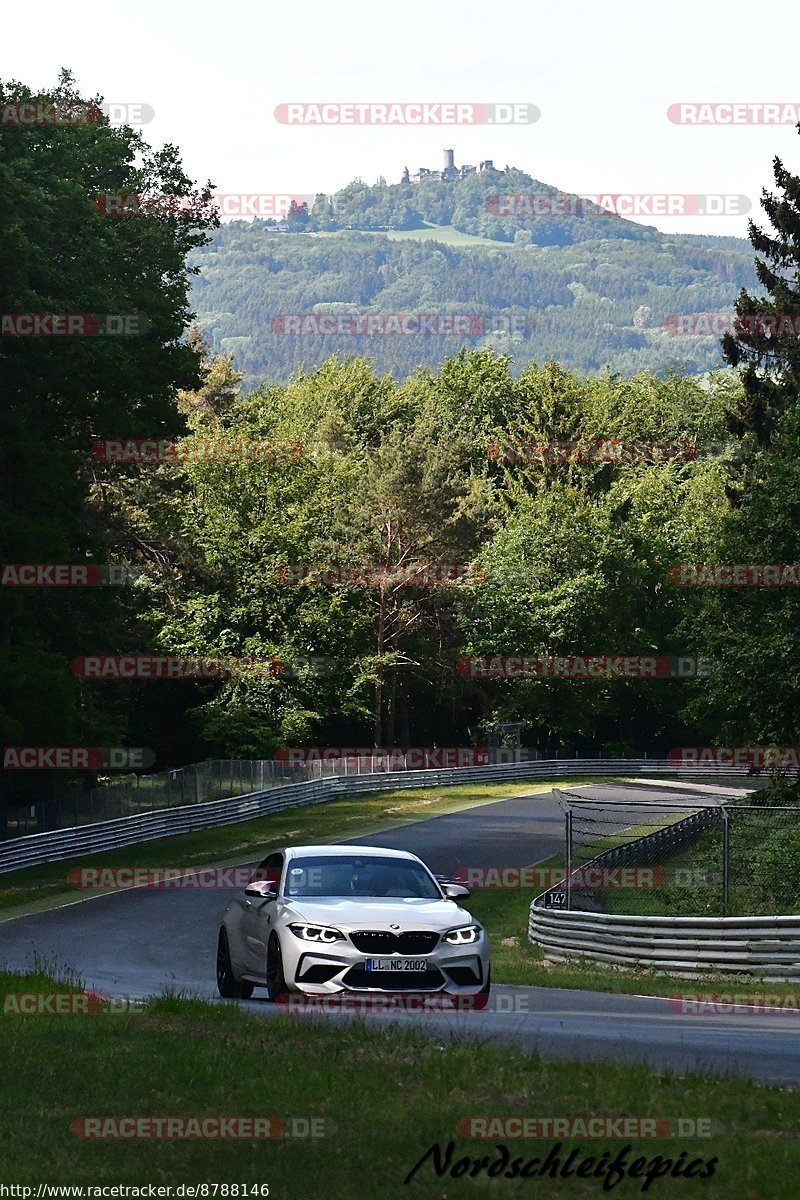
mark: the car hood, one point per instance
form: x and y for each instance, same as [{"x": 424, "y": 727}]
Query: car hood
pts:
[{"x": 369, "y": 913}]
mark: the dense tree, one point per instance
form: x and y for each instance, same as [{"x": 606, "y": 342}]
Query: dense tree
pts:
[
  {"x": 587, "y": 303},
  {"x": 566, "y": 559},
  {"x": 61, "y": 254},
  {"x": 765, "y": 341}
]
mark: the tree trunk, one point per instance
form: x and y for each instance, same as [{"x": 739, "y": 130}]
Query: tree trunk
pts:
[
  {"x": 378, "y": 727},
  {"x": 390, "y": 723}
]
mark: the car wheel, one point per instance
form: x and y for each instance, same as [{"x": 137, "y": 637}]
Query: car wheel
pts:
[
  {"x": 276, "y": 982},
  {"x": 228, "y": 986}
]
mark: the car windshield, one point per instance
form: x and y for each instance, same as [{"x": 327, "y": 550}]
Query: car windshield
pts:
[{"x": 345, "y": 876}]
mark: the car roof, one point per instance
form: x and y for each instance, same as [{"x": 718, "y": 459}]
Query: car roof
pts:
[{"x": 334, "y": 850}]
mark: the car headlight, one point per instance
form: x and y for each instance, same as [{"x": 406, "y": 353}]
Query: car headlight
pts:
[
  {"x": 463, "y": 936},
  {"x": 317, "y": 933}
]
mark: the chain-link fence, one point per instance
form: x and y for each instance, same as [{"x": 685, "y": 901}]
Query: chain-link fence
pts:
[
  {"x": 681, "y": 858},
  {"x": 130, "y": 794}
]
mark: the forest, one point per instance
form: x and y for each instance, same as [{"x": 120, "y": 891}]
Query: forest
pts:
[{"x": 392, "y": 540}]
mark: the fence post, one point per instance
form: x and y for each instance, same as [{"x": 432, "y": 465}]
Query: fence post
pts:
[
  {"x": 568, "y": 857},
  {"x": 726, "y": 860}
]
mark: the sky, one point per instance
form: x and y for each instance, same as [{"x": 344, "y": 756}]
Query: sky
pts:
[{"x": 603, "y": 77}]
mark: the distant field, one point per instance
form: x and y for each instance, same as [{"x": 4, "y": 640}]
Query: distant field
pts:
[{"x": 431, "y": 233}]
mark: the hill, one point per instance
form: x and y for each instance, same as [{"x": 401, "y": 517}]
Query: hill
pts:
[{"x": 556, "y": 279}]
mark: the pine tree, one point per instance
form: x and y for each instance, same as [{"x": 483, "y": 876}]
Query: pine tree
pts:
[{"x": 765, "y": 340}]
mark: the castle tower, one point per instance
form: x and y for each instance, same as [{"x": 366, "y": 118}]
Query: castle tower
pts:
[
  {"x": 406, "y": 178},
  {"x": 449, "y": 160}
]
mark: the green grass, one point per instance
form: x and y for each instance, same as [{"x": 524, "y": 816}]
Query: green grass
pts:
[
  {"x": 33, "y": 888},
  {"x": 384, "y": 1098}
]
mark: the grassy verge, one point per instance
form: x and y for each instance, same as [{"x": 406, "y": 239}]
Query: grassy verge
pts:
[
  {"x": 383, "y": 1098},
  {"x": 43, "y": 886}
]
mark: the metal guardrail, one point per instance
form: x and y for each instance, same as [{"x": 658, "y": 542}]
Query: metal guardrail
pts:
[
  {"x": 35, "y": 849},
  {"x": 767, "y": 947},
  {"x": 690, "y": 947}
]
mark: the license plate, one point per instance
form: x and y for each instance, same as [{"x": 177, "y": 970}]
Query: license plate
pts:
[{"x": 396, "y": 964}]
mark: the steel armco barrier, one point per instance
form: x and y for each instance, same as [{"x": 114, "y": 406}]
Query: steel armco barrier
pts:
[
  {"x": 37, "y": 848},
  {"x": 690, "y": 947},
  {"x": 766, "y": 947}
]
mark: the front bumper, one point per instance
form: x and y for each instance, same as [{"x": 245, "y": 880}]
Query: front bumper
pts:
[{"x": 340, "y": 967}]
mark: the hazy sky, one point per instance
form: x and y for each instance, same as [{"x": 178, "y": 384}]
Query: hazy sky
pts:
[{"x": 602, "y": 75}]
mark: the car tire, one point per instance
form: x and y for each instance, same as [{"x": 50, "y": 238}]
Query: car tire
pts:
[
  {"x": 276, "y": 981},
  {"x": 228, "y": 986}
]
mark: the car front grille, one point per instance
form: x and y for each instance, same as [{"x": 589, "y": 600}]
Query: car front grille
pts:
[
  {"x": 394, "y": 981},
  {"x": 377, "y": 941}
]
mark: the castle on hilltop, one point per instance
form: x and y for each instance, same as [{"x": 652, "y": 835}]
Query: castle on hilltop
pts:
[{"x": 449, "y": 171}]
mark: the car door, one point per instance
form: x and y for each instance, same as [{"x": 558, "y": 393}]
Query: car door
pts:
[{"x": 258, "y": 915}]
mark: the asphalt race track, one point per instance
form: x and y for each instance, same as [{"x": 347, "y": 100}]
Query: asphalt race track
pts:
[{"x": 136, "y": 942}]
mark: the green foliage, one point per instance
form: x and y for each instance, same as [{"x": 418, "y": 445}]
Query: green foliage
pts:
[
  {"x": 60, "y": 255},
  {"x": 575, "y": 555}
]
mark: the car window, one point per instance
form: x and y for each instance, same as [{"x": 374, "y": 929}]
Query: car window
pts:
[
  {"x": 270, "y": 870},
  {"x": 340, "y": 876}
]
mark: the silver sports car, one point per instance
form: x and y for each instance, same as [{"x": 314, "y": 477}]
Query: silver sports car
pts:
[{"x": 333, "y": 919}]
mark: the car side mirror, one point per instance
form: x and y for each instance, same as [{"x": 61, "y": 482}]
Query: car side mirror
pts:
[
  {"x": 262, "y": 889},
  {"x": 454, "y": 891}
]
